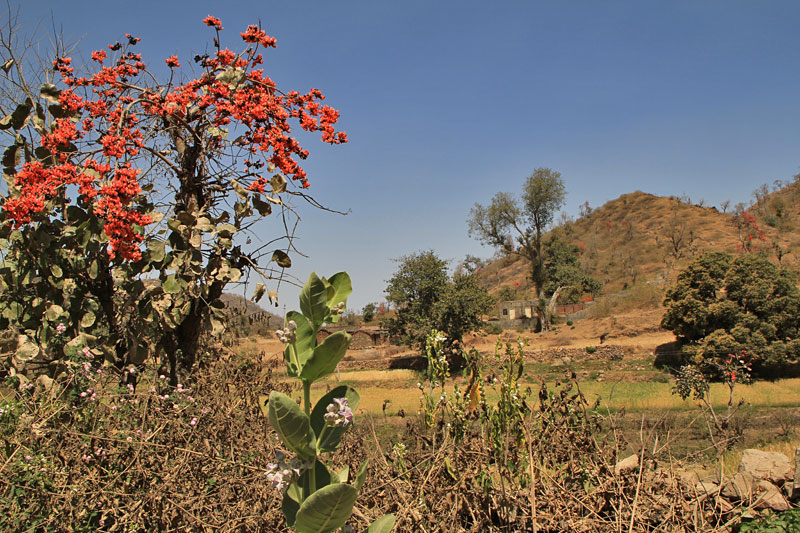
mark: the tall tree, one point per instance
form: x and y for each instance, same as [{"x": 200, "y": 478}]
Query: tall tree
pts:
[
  {"x": 517, "y": 226},
  {"x": 426, "y": 298},
  {"x": 116, "y": 178}
]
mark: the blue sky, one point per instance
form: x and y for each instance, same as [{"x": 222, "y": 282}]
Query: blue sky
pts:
[{"x": 448, "y": 102}]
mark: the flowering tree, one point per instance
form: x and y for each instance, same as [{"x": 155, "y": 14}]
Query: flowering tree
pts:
[
  {"x": 116, "y": 179},
  {"x": 749, "y": 231}
]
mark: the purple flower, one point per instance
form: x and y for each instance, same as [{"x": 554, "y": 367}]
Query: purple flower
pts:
[{"x": 338, "y": 413}]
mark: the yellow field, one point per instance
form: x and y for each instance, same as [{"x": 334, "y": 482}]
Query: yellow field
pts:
[{"x": 399, "y": 386}]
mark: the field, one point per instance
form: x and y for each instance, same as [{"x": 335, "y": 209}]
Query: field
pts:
[
  {"x": 105, "y": 464},
  {"x": 632, "y": 386}
]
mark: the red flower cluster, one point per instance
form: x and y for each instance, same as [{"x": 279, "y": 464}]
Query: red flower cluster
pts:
[
  {"x": 213, "y": 22},
  {"x": 255, "y": 35},
  {"x": 749, "y": 230},
  {"x": 111, "y": 111},
  {"x": 738, "y": 368}
]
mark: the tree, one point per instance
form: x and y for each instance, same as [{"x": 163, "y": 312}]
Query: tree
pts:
[
  {"x": 506, "y": 294},
  {"x": 563, "y": 269},
  {"x": 88, "y": 163},
  {"x": 518, "y": 226},
  {"x": 722, "y": 305},
  {"x": 471, "y": 264},
  {"x": 426, "y": 298},
  {"x": 368, "y": 312},
  {"x": 461, "y": 306}
]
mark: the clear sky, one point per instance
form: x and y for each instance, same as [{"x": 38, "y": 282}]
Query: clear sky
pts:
[{"x": 447, "y": 102}]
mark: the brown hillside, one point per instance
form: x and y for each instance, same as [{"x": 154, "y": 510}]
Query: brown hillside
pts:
[{"x": 641, "y": 238}]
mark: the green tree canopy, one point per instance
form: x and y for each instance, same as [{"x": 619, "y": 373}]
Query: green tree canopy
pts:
[
  {"x": 563, "y": 269},
  {"x": 368, "y": 312},
  {"x": 425, "y": 297},
  {"x": 723, "y": 305}
]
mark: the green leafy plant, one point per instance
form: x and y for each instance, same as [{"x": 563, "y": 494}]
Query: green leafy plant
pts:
[
  {"x": 693, "y": 381},
  {"x": 776, "y": 523},
  {"x": 316, "y": 499}
]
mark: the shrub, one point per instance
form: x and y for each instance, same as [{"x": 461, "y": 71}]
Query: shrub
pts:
[{"x": 722, "y": 305}]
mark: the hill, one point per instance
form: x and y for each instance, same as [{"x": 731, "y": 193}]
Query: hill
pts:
[
  {"x": 238, "y": 305},
  {"x": 642, "y": 238}
]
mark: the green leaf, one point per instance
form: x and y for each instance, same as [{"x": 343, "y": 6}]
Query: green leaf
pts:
[
  {"x": 328, "y": 440},
  {"x": 21, "y": 115},
  {"x": 93, "y": 269},
  {"x": 59, "y": 112},
  {"x": 56, "y": 271},
  {"x": 361, "y": 476},
  {"x": 289, "y": 507},
  {"x": 341, "y": 475},
  {"x": 44, "y": 155},
  {"x": 39, "y": 120},
  {"x": 297, "y": 354},
  {"x": 226, "y": 230},
  {"x": 314, "y": 301},
  {"x": 240, "y": 191},
  {"x": 327, "y": 509},
  {"x": 173, "y": 284},
  {"x": 292, "y": 424},
  {"x": 322, "y": 477},
  {"x": 326, "y": 356},
  {"x": 12, "y": 156},
  {"x": 280, "y": 257},
  {"x": 88, "y": 319},
  {"x": 339, "y": 288},
  {"x": 157, "y": 249},
  {"x": 278, "y": 183},
  {"x": 50, "y": 92},
  {"x": 264, "y": 208},
  {"x": 382, "y": 525},
  {"x": 53, "y": 312}
]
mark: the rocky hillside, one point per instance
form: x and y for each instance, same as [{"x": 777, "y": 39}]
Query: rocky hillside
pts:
[{"x": 641, "y": 238}]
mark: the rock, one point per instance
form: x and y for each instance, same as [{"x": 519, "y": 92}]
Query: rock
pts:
[
  {"x": 739, "y": 487},
  {"x": 770, "y": 466},
  {"x": 794, "y": 487},
  {"x": 706, "y": 487},
  {"x": 770, "y": 497},
  {"x": 688, "y": 478},
  {"x": 626, "y": 465},
  {"x": 566, "y": 360}
]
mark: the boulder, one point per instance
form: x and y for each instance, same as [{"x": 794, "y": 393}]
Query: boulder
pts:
[
  {"x": 626, "y": 465},
  {"x": 739, "y": 487},
  {"x": 769, "y": 466},
  {"x": 770, "y": 497}
]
